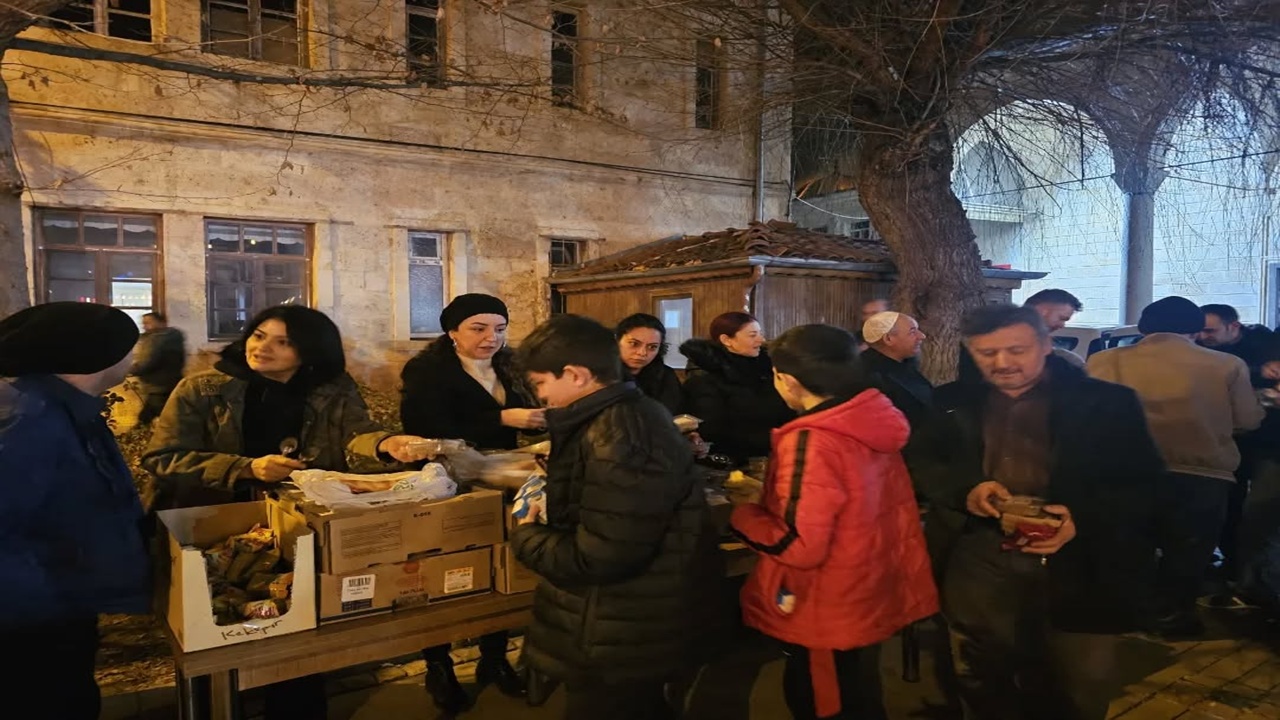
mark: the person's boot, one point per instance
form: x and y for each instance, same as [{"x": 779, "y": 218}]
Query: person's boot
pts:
[
  {"x": 497, "y": 671},
  {"x": 541, "y": 688},
  {"x": 445, "y": 690}
]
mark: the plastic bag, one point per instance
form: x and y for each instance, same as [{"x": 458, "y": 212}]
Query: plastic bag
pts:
[
  {"x": 328, "y": 488},
  {"x": 531, "y": 498}
]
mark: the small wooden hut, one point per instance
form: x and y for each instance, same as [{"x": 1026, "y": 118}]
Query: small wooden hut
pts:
[{"x": 782, "y": 274}]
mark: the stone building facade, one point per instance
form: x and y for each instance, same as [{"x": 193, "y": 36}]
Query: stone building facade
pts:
[{"x": 393, "y": 155}]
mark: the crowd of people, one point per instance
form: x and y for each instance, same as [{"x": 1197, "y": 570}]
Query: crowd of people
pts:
[{"x": 885, "y": 501}]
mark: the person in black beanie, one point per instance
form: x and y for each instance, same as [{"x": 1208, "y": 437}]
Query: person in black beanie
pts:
[
  {"x": 71, "y": 543},
  {"x": 463, "y": 386}
]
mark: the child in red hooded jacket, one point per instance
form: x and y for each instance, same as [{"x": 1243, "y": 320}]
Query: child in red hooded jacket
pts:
[{"x": 842, "y": 563}]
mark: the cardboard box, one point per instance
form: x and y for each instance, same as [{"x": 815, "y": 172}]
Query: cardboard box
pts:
[
  {"x": 354, "y": 539},
  {"x": 382, "y": 588},
  {"x": 509, "y": 521},
  {"x": 189, "y": 604},
  {"x": 509, "y": 576}
]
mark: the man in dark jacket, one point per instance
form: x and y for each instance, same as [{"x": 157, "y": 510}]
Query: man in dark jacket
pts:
[
  {"x": 1254, "y": 505},
  {"x": 70, "y": 520},
  {"x": 1034, "y": 626},
  {"x": 890, "y": 364},
  {"x": 626, "y": 548},
  {"x": 158, "y": 361}
]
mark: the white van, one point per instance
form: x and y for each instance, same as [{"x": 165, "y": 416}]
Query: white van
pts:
[{"x": 1085, "y": 341}]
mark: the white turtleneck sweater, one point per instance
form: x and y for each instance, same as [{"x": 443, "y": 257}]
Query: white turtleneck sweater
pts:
[{"x": 483, "y": 372}]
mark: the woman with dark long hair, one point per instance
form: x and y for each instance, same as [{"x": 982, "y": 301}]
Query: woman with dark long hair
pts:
[
  {"x": 463, "y": 386},
  {"x": 730, "y": 387},
  {"x": 642, "y": 343},
  {"x": 278, "y": 395}
]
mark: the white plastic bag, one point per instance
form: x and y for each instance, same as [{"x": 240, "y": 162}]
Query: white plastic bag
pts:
[{"x": 327, "y": 488}]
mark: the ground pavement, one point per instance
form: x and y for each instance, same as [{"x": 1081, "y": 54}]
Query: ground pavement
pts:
[{"x": 1233, "y": 674}]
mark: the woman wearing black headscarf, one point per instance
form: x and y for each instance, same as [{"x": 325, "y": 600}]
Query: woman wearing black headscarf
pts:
[{"x": 463, "y": 386}]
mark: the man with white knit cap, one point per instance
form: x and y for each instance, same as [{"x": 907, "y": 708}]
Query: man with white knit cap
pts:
[{"x": 890, "y": 364}]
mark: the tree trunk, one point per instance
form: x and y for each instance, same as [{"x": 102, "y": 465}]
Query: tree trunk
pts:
[
  {"x": 15, "y": 292},
  {"x": 906, "y": 190}
]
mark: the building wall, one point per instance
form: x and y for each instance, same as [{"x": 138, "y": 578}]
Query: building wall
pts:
[
  {"x": 499, "y": 170},
  {"x": 1214, "y": 235}
]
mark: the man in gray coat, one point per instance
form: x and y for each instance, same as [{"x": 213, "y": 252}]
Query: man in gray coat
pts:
[{"x": 1196, "y": 401}]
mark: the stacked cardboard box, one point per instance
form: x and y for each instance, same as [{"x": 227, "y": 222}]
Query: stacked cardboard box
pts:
[{"x": 377, "y": 559}]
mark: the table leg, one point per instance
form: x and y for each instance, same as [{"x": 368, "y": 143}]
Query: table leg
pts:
[
  {"x": 193, "y": 696},
  {"x": 225, "y": 700}
]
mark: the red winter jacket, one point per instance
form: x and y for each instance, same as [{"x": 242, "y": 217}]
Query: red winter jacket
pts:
[{"x": 837, "y": 526}]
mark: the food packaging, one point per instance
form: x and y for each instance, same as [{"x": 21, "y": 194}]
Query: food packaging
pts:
[
  {"x": 432, "y": 447},
  {"x": 687, "y": 423},
  {"x": 1023, "y": 520}
]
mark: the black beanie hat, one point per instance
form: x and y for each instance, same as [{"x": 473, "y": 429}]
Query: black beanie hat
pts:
[
  {"x": 465, "y": 306},
  {"x": 1173, "y": 314},
  {"x": 65, "y": 338}
]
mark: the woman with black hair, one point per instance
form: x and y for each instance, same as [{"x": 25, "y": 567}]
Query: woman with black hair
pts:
[
  {"x": 730, "y": 387},
  {"x": 281, "y": 389},
  {"x": 223, "y": 430},
  {"x": 642, "y": 342},
  {"x": 463, "y": 386}
]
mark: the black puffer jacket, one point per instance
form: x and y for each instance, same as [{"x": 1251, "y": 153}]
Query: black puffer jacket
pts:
[
  {"x": 628, "y": 557},
  {"x": 734, "y": 397}
]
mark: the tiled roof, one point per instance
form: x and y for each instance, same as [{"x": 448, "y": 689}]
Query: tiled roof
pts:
[{"x": 774, "y": 239}]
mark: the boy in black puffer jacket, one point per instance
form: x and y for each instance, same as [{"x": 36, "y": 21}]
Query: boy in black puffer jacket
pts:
[{"x": 627, "y": 551}]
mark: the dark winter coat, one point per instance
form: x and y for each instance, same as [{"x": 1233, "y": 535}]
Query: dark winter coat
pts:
[
  {"x": 628, "y": 552},
  {"x": 197, "y": 447},
  {"x": 158, "y": 360},
  {"x": 438, "y": 399},
  {"x": 1105, "y": 468},
  {"x": 908, "y": 390},
  {"x": 1257, "y": 346},
  {"x": 734, "y": 397},
  {"x": 661, "y": 383},
  {"x": 71, "y": 544}
]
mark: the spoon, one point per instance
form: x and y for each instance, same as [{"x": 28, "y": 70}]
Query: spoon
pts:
[{"x": 289, "y": 446}]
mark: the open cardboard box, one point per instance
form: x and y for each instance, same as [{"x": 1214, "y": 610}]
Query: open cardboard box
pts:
[{"x": 190, "y": 604}]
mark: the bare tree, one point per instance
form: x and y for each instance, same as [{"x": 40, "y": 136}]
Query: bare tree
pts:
[{"x": 881, "y": 89}]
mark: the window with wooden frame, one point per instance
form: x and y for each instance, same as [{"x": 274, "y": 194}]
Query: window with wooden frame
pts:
[
  {"x": 566, "y": 54},
  {"x": 708, "y": 84},
  {"x": 268, "y": 30},
  {"x": 563, "y": 254},
  {"x": 124, "y": 19},
  {"x": 252, "y": 266},
  {"x": 428, "y": 282},
  {"x": 102, "y": 257},
  {"x": 424, "y": 40}
]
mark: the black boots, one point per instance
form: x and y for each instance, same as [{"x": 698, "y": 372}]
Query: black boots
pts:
[
  {"x": 445, "y": 690},
  {"x": 497, "y": 671},
  {"x": 448, "y": 695}
]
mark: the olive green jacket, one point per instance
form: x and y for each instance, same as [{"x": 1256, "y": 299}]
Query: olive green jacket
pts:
[{"x": 196, "y": 444}]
